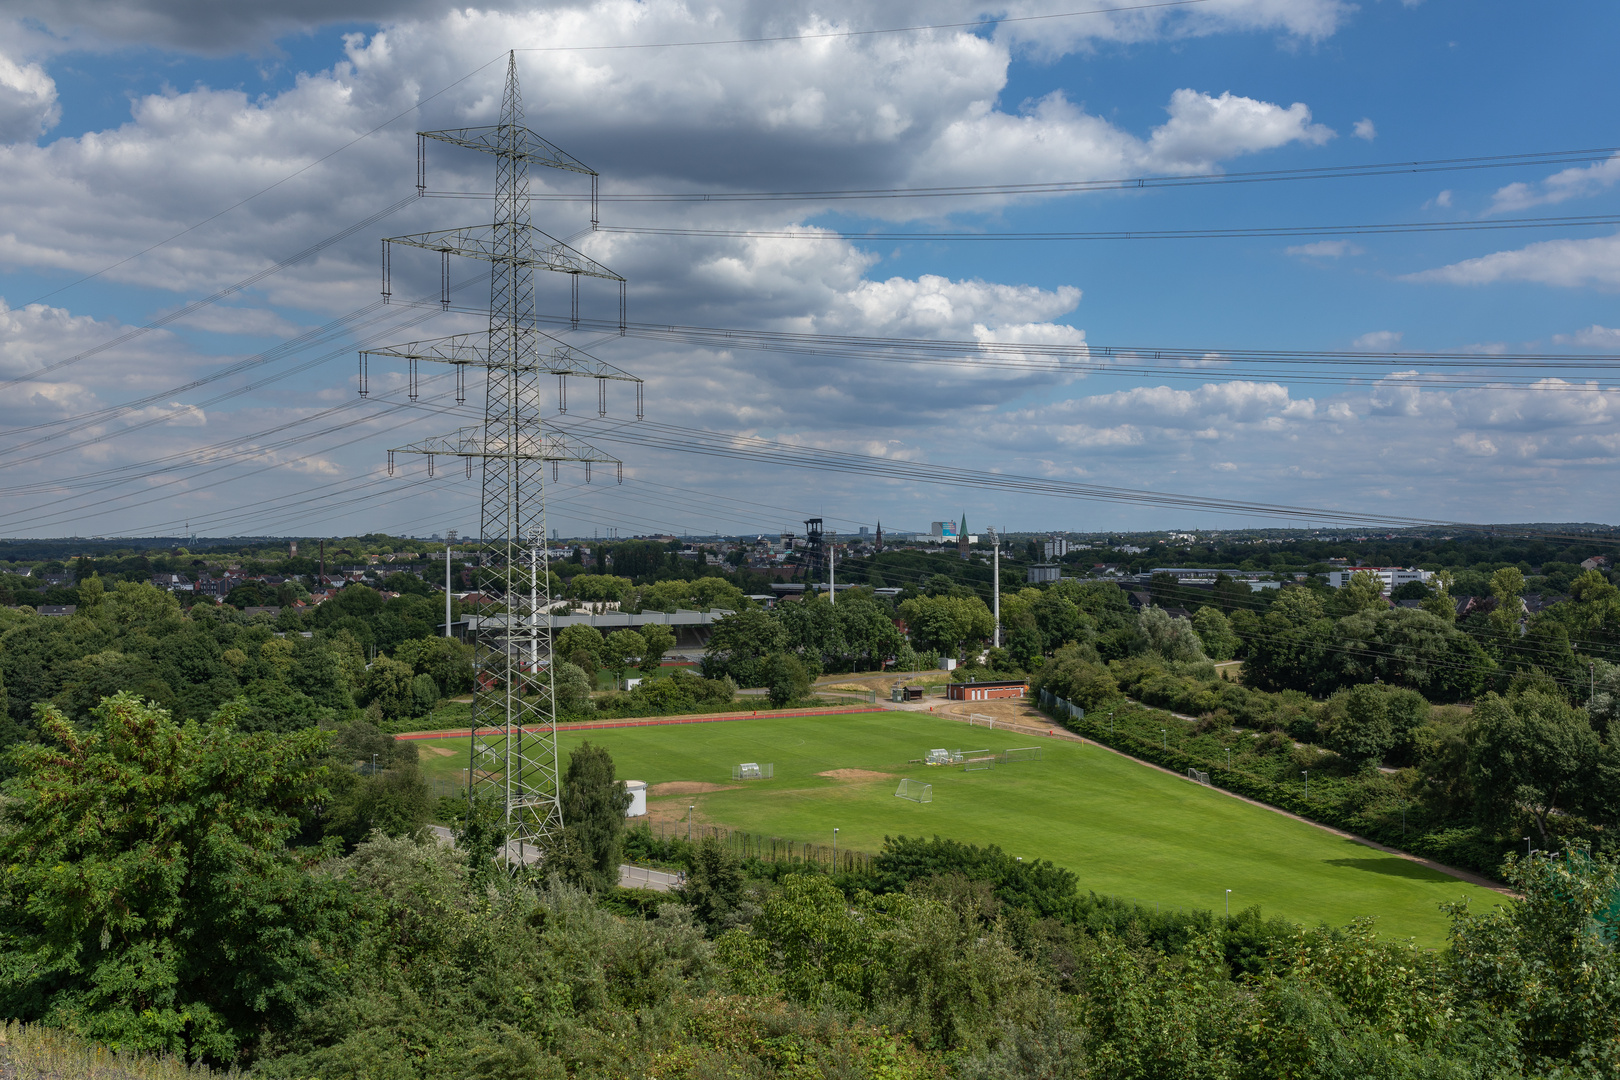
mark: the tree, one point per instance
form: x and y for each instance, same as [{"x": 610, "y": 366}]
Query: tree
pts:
[
  {"x": 1364, "y": 733},
  {"x": 714, "y": 883},
  {"x": 1534, "y": 752},
  {"x": 738, "y": 646},
  {"x": 572, "y": 688},
  {"x": 447, "y": 661},
  {"x": 1215, "y": 633},
  {"x": 658, "y": 640},
  {"x": 1172, "y": 638},
  {"x": 597, "y": 588},
  {"x": 619, "y": 648},
  {"x": 1060, "y": 620},
  {"x": 1439, "y": 602},
  {"x": 1362, "y": 592},
  {"x": 593, "y": 806},
  {"x": 785, "y": 678},
  {"x": 388, "y": 687},
  {"x": 944, "y": 623},
  {"x": 580, "y": 645},
  {"x": 151, "y": 897}
]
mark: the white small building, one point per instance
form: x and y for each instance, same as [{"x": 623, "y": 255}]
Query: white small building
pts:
[
  {"x": 638, "y": 798},
  {"x": 1389, "y": 577},
  {"x": 1042, "y": 573}
]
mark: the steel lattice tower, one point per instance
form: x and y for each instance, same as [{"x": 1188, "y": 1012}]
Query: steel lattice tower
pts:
[{"x": 513, "y": 758}]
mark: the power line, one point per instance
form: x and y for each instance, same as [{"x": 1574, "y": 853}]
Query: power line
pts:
[
  {"x": 196, "y": 305},
  {"x": 1246, "y": 232},
  {"x": 1063, "y": 187}
]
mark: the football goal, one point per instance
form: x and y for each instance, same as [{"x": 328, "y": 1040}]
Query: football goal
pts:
[
  {"x": 1201, "y": 777},
  {"x": 753, "y": 770},
  {"x": 1021, "y": 753},
  {"x": 976, "y": 719},
  {"x": 915, "y": 790},
  {"x": 979, "y": 764}
]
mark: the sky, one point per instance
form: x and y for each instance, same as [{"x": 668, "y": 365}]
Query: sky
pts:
[{"x": 193, "y": 195}]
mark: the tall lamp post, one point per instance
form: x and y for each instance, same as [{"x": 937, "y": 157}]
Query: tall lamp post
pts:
[
  {"x": 1228, "y": 903},
  {"x": 689, "y": 810},
  {"x": 1164, "y": 738},
  {"x": 835, "y": 850},
  {"x": 1228, "y": 759},
  {"x": 1306, "y": 773}
]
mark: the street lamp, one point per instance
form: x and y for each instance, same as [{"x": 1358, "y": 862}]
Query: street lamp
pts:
[
  {"x": 835, "y": 849},
  {"x": 1527, "y": 847},
  {"x": 1164, "y": 737},
  {"x": 689, "y": 810},
  {"x": 1228, "y": 903},
  {"x": 1110, "y": 723},
  {"x": 373, "y": 764},
  {"x": 1228, "y": 759},
  {"x": 1306, "y": 773}
]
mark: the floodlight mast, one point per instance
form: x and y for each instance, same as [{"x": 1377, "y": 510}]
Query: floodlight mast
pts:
[{"x": 513, "y": 696}]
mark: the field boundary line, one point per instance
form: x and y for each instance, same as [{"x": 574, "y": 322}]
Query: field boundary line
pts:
[
  {"x": 1462, "y": 875},
  {"x": 650, "y": 721}
]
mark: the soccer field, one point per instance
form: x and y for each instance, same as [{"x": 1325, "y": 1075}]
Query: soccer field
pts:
[{"x": 1124, "y": 829}]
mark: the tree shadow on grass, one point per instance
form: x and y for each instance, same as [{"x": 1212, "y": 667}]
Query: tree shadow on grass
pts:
[{"x": 1393, "y": 867}]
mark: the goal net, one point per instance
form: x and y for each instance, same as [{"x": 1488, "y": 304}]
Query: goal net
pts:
[
  {"x": 976, "y": 719},
  {"x": 1195, "y": 774},
  {"x": 979, "y": 765},
  {"x": 1021, "y": 753},
  {"x": 915, "y": 790},
  {"x": 753, "y": 770}
]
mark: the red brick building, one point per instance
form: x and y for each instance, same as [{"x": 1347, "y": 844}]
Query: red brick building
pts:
[{"x": 985, "y": 691}]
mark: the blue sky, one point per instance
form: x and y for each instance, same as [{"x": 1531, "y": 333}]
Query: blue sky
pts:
[{"x": 117, "y": 133}]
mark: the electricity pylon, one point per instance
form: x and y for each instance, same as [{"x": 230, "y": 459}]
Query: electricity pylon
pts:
[{"x": 513, "y": 755}]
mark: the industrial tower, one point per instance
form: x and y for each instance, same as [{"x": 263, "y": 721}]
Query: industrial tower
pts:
[{"x": 513, "y": 759}]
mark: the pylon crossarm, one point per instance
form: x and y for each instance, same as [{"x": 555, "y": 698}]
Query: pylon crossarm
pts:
[
  {"x": 547, "y": 446},
  {"x": 495, "y": 245},
  {"x": 473, "y": 349},
  {"x": 518, "y": 143}
]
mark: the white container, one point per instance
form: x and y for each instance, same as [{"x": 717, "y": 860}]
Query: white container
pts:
[
  {"x": 947, "y": 664},
  {"x": 638, "y": 798}
]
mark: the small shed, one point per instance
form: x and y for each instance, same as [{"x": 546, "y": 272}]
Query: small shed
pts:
[
  {"x": 986, "y": 691},
  {"x": 638, "y": 798}
]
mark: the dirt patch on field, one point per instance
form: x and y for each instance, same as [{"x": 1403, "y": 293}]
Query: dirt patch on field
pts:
[
  {"x": 440, "y": 751},
  {"x": 685, "y": 787},
  {"x": 856, "y": 775}
]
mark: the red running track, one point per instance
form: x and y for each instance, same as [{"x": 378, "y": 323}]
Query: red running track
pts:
[{"x": 598, "y": 725}]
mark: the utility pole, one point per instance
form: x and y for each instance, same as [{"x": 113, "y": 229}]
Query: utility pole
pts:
[
  {"x": 449, "y": 542},
  {"x": 995, "y": 582},
  {"x": 832, "y": 574},
  {"x": 513, "y": 447}
]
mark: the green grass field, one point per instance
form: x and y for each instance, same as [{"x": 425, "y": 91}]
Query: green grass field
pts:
[{"x": 1123, "y": 828}]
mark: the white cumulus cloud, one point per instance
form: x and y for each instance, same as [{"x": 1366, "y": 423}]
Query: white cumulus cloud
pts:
[
  {"x": 1593, "y": 263},
  {"x": 28, "y": 105},
  {"x": 1572, "y": 183}
]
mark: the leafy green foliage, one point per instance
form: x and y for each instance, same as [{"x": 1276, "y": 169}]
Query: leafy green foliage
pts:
[
  {"x": 151, "y": 899},
  {"x": 786, "y": 680},
  {"x": 593, "y": 806}
]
